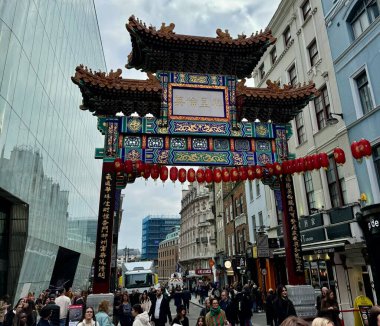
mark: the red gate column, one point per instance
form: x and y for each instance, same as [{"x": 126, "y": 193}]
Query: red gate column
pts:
[
  {"x": 292, "y": 238},
  {"x": 102, "y": 265}
]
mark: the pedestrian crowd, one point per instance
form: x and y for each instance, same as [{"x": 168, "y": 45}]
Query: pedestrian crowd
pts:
[{"x": 228, "y": 306}]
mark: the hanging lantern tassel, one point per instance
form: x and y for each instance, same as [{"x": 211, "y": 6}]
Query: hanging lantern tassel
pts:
[
  {"x": 365, "y": 147},
  {"x": 164, "y": 173},
  {"x": 339, "y": 156},
  {"x": 146, "y": 173},
  {"x": 324, "y": 159}
]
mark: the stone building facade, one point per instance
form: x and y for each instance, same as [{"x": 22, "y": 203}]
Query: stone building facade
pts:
[{"x": 168, "y": 255}]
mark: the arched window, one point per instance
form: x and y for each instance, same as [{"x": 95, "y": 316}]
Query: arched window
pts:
[{"x": 362, "y": 15}]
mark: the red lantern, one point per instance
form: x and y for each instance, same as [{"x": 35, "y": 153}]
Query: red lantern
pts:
[
  {"x": 285, "y": 167},
  {"x": 316, "y": 161},
  {"x": 128, "y": 167},
  {"x": 191, "y": 175},
  {"x": 251, "y": 173},
  {"x": 217, "y": 175},
  {"x": 243, "y": 173},
  {"x": 339, "y": 156},
  {"x": 173, "y": 174},
  {"x": 119, "y": 165},
  {"x": 269, "y": 168},
  {"x": 200, "y": 175},
  {"x": 182, "y": 175},
  {"x": 356, "y": 152},
  {"x": 301, "y": 165},
  {"x": 146, "y": 173},
  {"x": 140, "y": 167},
  {"x": 234, "y": 175},
  {"x": 365, "y": 147},
  {"x": 208, "y": 175},
  {"x": 259, "y": 172},
  {"x": 309, "y": 161},
  {"x": 324, "y": 159},
  {"x": 164, "y": 173},
  {"x": 225, "y": 175},
  {"x": 292, "y": 166},
  {"x": 277, "y": 168},
  {"x": 155, "y": 172}
]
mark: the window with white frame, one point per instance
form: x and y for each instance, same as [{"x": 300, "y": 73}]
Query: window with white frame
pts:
[
  {"x": 336, "y": 184},
  {"x": 250, "y": 184},
  {"x": 292, "y": 72},
  {"x": 313, "y": 52},
  {"x": 301, "y": 134},
  {"x": 257, "y": 188},
  {"x": 306, "y": 9},
  {"x": 322, "y": 107},
  {"x": 364, "y": 92},
  {"x": 261, "y": 219},
  {"x": 287, "y": 36},
  {"x": 233, "y": 244},
  {"x": 362, "y": 15},
  {"x": 273, "y": 55},
  {"x": 307, "y": 177}
]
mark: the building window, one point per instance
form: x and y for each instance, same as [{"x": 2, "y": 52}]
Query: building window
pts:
[
  {"x": 336, "y": 183},
  {"x": 287, "y": 36},
  {"x": 313, "y": 52},
  {"x": 250, "y": 183},
  {"x": 292, "y": 75},
  {"x": 322, "y": 107},
  {"x": 306, "y": 9},
  {"x": 309, "y": 190},
  {"x": 261, "y": 72},
  {"x": 261, "y": 220},
  {"x": 376, "y": 160},
  {"x": 273, "y": 55},
  {"x": 301, "y": 135},
  {"x": 364, "y": 92},
  {"x": 364, "y": 13},
  {"x": 233, "y": 244}
]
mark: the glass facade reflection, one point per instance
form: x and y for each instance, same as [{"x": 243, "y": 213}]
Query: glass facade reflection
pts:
[{"x": 49, "y": 179}]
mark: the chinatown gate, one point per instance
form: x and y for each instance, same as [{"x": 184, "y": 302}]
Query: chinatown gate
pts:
[{"x": 197, "y": 96}]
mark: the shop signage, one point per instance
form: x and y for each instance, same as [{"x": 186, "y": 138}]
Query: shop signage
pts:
[
  {"x": 311, "y": 221},
  {"x": 339, "y": 231},
  {"x": 293, "y": 227},
  {"x": 262, "y": 246},
  {"x": 313, "y": 236},
  {"x": 341, "y": 215},
  {"x": 373, "y": 225},
  {"x": 201, "y": 271}
]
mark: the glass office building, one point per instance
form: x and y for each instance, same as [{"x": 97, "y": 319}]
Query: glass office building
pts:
[
  {"x": 155, "y": 228},
  {"x": 48, "y": 174}
]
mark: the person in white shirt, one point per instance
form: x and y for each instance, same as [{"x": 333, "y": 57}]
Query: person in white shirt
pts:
[{"x": 63, "y": 302}]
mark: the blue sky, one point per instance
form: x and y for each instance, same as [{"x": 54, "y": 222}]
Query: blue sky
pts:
[{"x": 192, "y": 17}]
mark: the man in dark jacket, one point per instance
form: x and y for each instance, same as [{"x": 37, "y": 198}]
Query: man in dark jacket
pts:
[
  {"x": 186, "y": 297},
  {"x": 269, "y": 310},
  {"x": 160, "y": 309},
  {"x": 55, "y": 309},
  {"x": 244, "y": 301},
  {"x": 227, "y": 305}
]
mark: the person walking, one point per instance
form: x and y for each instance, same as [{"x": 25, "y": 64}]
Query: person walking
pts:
[
  {"x": 216, "y": 316},
  {"x": 54, "y": 309},
  {"x": 4, "y": 306},
  {"x": 201, "y": 321},
  {"x": 45, "y": 315},
  {"x": 102, "y": 316},
  {"x": 269, "y": 309},
  {"x": 145, "y": 302},
  {"x": 125, "y": 311},
  {"x": 186, "y": 297},
  {"x": 319, "y": 300},
  {"x": 227, "y": 306},
  {"x": 206, "y": 308},
  {"x": 160, "y": 309},
  {"x": 63, "y": 302},
  {"x": 89, "y": 316},
  {"x": 330, "y": 308},
  {"x": 244, "y": 301},
  {"x": 141, "y": 317},
  {"x": 11, "y": 317},
  {"x": 374, "y": 316},
  {"x": 283, "y": 307},
  {"x": 181, "y": 318}
]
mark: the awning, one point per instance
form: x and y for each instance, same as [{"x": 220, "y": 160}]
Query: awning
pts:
[{"x": 340, "y": 243}]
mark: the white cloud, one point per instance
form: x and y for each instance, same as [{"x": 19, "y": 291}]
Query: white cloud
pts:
[{"x": 192, "y": 17}]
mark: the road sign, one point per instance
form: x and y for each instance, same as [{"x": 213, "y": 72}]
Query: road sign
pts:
[{"x": 264, "y": 271}]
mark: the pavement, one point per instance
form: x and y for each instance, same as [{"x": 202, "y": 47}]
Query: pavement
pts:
[{"x": 258, "y": 319}]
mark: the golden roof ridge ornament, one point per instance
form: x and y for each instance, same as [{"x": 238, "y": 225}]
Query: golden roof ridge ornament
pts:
[
  {"x": 224, "y": 36},
  {"x": 166, "y": 30}
]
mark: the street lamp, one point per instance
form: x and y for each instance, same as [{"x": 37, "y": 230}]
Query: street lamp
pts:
[{"x": 333, "y": 121}]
